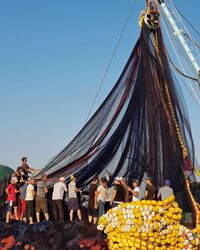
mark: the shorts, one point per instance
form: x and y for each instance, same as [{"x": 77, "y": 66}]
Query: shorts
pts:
[
  {"x": 29, "y": 212},
  {"x": 9, "y": 206},
  {"x": 15, "y": 203},
  {"x": 73, "y": 204},
  {"x": 41, "y": 204},
  {"x": 92, "y": 211}
]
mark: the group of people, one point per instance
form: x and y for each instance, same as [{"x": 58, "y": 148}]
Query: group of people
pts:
[
  {"x": 99, "y": 194},
  {"x": 22, "y": 195},
  {"x": 26, "y": 197}
]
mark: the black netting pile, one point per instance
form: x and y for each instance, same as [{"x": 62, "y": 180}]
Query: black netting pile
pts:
[
  {"x": 132, "y": 133},
  {"x": 51, "y": 235}
]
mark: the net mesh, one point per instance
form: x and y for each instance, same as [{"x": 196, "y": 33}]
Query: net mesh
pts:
[{"x": 133, "y": 131}]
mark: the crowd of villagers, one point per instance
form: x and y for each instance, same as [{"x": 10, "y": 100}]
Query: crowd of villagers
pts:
[{"x": 26, "y": 197}]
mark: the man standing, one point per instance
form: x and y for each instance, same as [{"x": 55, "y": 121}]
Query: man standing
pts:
[
  {"x": 18, "y": 177},
  {"x": 119, "y": 193},
  {"x": 73, "y": 204},
  {"x": 22, "y": 197},
  {"x": 25, "y": 168},
  {"x": 92, "y": 210},
  {"x": 30, "y": 194},
  {"x": 166, "y": 191},
  {"x": 57, "y": 199},
  {"x": 10, "y": 190},
  {"x": 135, "y": 191},
  {"x": 41, "y": 201},
  {"x": 150, "y": 189},
  {"x": 101, "y": 196}
]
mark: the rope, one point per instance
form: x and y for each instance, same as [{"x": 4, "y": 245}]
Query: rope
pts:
[
  {"x": 111, "y": 59},
  {"x": 188, "y": 21},
  {"x": 196, "y": 171},
  {"x": 177, "y": 128},
  {"x": 179, "y": 71},
  {"x": 192, "y": 92}
]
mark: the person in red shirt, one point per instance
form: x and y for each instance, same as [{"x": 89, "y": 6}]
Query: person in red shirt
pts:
[{"x": 10, "y": 190}]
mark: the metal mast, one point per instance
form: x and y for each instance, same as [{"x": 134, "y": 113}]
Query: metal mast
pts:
[{"x": 182, "y": 33}]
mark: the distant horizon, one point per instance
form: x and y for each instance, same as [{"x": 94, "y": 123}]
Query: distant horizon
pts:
[{"x": 53, "y": 58}]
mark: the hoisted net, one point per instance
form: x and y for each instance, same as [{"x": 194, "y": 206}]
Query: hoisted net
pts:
[{"x": 133, "y": 132}]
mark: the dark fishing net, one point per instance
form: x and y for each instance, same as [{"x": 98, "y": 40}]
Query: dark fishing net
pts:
[
  {"x": 5, "y": 175},
  {"x": 134, "y": 131}
]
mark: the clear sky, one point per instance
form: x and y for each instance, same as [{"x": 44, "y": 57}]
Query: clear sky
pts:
[{"x": 53, "y": 55}]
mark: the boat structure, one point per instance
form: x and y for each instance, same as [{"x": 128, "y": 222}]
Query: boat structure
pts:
[{"x": 142, "y": 129}]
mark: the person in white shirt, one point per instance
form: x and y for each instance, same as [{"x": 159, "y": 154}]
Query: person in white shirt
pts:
[
  {"x": 57, "y": 199},
  {"x": 30, "y": 194},
  {"x": 100, "y": 196},
  {"x": 135, "y": 191}
]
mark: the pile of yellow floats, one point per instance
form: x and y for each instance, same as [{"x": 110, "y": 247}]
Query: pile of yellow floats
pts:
[{"x": 148, "y": 225}]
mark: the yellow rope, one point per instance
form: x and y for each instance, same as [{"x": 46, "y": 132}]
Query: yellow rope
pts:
[
  {"x": 196, "y": 171},
  {"x": 173, "y": 117}
]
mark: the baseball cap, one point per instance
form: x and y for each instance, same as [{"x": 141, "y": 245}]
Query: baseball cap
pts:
[
  {"x": 14, "y": 179},
  {"x": 43, "y": 175},
  {"x": 167, "y": 182},
  {"x": 148, "y": 178},
  {"x": 72, "y": 177}
]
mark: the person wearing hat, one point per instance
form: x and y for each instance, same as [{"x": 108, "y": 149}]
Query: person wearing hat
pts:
[
  {"x": 11, "y": 197},
  {"x": 73, "y": 204},
  {"x": 135, "y": 191},
  {"x": 166, "y": 191},
  {"x": 57, "y": 199},
  {"x": 119, "y": 193},
  {"x": 150, "y": 189}
]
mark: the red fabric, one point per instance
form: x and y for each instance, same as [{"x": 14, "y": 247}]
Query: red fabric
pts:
[
  {"x": 7, "y": 243},
  {"x": 22, "y": 206},
  {"x": 187, "y": 165},
  {"x": 11, "y": 191},
  {"x": 96, "y": 247}
]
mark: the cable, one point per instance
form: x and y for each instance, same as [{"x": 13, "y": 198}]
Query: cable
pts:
[
  {"x": 111, "y": 59},
  {"x": 188, "y": 21},
  {"x": 193, "y": 93},
  {"x": 179, "y": 71}
]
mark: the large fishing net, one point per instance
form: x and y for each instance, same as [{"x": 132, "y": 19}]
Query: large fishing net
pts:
[{"x": 140, "y": 129}]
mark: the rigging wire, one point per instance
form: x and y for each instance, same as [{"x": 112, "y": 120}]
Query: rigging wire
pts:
[
  {"x": 188, "y": 21},
  {"x": 191, "y": 90},
  {"x": 111, "y": 59},
  {"x": 179, "y": 71}
]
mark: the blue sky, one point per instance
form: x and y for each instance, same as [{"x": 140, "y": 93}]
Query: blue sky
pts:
[{"x": 53, "y": 55}]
